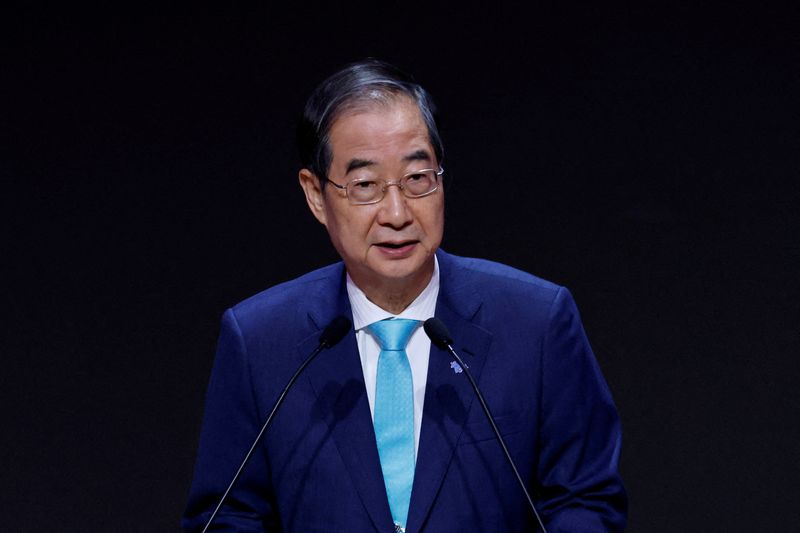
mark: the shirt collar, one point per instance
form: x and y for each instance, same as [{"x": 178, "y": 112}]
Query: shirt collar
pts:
[{"x": 366, "y": 312}]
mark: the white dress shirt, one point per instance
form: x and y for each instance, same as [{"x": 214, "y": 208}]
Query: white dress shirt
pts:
[{"x": 418, "y": 348}]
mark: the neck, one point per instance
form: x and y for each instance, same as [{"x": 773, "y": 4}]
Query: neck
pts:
[{"x": 395, "y": 295}]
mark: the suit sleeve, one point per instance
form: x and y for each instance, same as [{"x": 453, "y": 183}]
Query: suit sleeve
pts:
[
  {"x": 230, "y": 423},
  {"x": 580, "y": 436}
]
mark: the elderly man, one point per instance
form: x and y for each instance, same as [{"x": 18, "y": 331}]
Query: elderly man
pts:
[{"x": 383, "y": 432}]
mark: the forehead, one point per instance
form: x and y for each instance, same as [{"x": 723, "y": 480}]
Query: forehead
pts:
[{"x": 380, "y": 132}]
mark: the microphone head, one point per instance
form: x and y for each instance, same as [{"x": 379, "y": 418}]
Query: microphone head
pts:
[
  {"x": 437, "y": 331},
  {"x": 335, "y": 331}
]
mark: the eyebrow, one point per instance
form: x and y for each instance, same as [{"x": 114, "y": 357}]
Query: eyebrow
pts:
[
  {"x": 419, "y": 155},
  {"x": 355, "y": 164}
]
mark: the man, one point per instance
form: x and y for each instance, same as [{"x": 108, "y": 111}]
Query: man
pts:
[{"x": 390, "y": 438}]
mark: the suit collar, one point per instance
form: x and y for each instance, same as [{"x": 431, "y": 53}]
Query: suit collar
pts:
[
  {"x": 329, "y": 298},
  {"x": 457, "y": 289}
]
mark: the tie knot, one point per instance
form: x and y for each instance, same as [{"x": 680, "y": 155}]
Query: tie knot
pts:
[{"x": 393, "y": 334}]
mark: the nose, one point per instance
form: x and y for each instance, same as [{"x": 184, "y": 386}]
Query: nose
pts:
[{"x": 394, "y": 209}]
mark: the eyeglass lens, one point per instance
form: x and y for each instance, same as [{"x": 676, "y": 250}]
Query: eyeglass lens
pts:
[{"x": 367, "y": 190}]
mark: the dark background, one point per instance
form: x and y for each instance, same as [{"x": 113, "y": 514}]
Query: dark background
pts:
[{"x": 645, "y": 158}]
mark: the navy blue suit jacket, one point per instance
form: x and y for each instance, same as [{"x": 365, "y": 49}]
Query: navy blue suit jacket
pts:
[{"x": 318, "y": 467}]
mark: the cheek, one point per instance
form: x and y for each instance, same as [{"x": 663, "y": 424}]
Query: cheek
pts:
[
  {"x": 348, "y": 228},
  {"x": 434, "y": 221}
]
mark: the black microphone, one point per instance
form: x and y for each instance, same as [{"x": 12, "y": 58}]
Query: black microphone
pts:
[
  {"x": 332, "y": 334},
  {"x": 440, "y": 336}
]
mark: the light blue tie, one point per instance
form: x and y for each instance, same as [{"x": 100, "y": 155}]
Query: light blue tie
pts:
[{"x": 394, "y": 413}]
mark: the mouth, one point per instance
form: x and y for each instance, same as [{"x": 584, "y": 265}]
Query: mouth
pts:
[
  {"x": 397, "y": 249},
  {"x": 395, "y": 245}
]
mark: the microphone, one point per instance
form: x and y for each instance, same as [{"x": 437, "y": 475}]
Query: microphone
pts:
[
  {"x": 440, "y": 336},
  {"x": 332, "y": 334}
]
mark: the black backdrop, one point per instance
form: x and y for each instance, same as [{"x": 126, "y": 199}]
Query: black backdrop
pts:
[{"x": 646, "y": 159}]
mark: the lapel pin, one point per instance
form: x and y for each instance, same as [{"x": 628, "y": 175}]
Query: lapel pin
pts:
[{"x": 456, "y": 367}]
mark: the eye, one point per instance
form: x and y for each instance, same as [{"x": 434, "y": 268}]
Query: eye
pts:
[
  {"x": 364, "y": 190},
  {"x": 364, "y": 184},
  {"x": 420, "y": 183}
]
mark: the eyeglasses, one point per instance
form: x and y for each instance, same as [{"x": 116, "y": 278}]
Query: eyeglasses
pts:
[{"x": 367, "y": 190}]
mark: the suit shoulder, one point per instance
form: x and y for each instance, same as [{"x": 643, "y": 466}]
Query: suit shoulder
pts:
[
  {"x": 290, "y": 295},
  {"x": 498, "y": 276}
]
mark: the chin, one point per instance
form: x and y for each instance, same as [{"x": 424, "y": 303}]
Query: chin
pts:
[{"x": 403, "y": 269}]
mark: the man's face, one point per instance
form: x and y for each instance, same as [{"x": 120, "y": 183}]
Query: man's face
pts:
[{"x": 390, "y": 243}]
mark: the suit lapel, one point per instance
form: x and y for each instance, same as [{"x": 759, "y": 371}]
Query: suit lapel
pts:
[
  {"x": 448, "y": 394},
  {"x": 338, "y": 382}
]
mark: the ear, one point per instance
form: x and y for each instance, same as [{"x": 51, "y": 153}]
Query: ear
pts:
[{"x": 314, "y": 194}]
